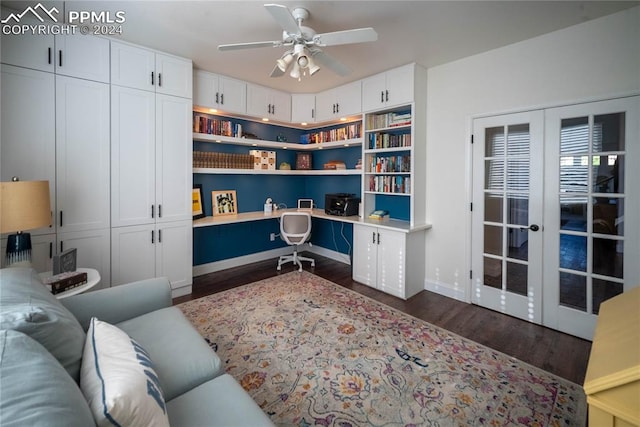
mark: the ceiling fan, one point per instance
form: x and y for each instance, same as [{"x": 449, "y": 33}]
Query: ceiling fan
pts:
[{"x": 305, "y": 43}]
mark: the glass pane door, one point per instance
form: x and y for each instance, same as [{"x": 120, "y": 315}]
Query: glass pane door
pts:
[{"x": 507, "y": 258}]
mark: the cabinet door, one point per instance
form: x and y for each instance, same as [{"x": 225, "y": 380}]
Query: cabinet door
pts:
[
  {"x": 258, "y": 101},
  {"x": 325, "y": 105},
  {"x": 82, "y": 154},
  {"x": 133, "y": 253},
  {"x": 93, "y": 251},
  {"x": 42, "y": 249},
  {"x": 81, "y": 56},
  {"x": 205, "y": 87},
  {"x": 365, "y": 255},
  {"x": 175, "y": 76},
  {"x": 173, "y": 158},
  {"x": 132, "y": 66},
  {"x": 232, "y": 95},
  {"x": 391, "y": 262},
  {"x": 133, "y": 150},
  {"x": 280, "y": 105},
  {"x": 173, "y": 253},
  {"x": 349, "y": 99},
  {"x": 400, "y": 85},
  {"x": 28, "y": 129},
  {"x": 303, "y": 107},
  {"x": 373, "y": 92},
  {"x": 28, "y": 50}
]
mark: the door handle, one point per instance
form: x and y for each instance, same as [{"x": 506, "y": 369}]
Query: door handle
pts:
[{"x": 532, "y": 227}]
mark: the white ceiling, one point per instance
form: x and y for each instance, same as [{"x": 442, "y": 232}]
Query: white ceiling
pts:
[{"x": 427, "y": 32}]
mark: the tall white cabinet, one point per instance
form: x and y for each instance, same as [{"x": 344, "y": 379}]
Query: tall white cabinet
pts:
[
  {"x": 151, "y": 173},
  {"x": 55, "y": 127}
]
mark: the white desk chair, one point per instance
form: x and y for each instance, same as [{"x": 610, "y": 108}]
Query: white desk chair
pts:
[{"x": 295, "y": 229}]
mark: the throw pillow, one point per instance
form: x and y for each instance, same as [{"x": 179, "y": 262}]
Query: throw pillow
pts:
[
  {"x": 36, "y": 389},
  {"x": 27, "y": 306},
  {"x": 118, "y": 379}
]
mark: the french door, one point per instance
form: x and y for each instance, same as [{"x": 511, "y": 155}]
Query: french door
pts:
[
  {"x": 507, "y": 214},
  {"x": 556, "y": 212}
]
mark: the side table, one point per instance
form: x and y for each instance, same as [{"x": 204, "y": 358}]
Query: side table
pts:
[{"x": 93, "y": 278}]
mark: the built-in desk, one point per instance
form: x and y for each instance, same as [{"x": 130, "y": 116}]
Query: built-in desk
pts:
[{"x": 390, "y": 224}]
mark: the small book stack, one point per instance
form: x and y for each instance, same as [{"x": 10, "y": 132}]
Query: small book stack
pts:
[
  {"x": 65, "y": 281},
  {"x": 335, "y": 165},
  {"x": 379, "y": 214}
]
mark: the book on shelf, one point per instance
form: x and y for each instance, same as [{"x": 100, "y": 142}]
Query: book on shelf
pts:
[
  {"x": 335, "y": 165},
  {"x": 65, "y": 281},
  {"x": 379, "y": 214},
  {"x": 379, "y": 121},
  {"x": 388, "y": 140}
]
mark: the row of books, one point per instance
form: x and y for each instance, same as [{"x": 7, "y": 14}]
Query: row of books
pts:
[
  {"x": 390, "y": 184},
  {"x": 386, "y": 140},
  {"x": 379, "y": 121},
  {"x": 211, "y": 159},
  {"x": 350, "y": 131},
  {"x": 213, "y": 126},
  {"x": 390, "y": 164}
]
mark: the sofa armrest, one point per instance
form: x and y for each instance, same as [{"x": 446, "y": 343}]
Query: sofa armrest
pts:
[{"x": 120, "y": 303}]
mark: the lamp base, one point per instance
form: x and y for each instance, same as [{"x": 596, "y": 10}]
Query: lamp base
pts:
[{"x": 19, "y": 250}]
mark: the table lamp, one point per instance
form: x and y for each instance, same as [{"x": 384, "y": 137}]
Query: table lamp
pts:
[{"x": 24, "y": 205}]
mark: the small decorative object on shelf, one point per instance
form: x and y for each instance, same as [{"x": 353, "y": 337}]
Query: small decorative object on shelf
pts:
[
  {"x": 65, "y": 281},
  {"x": 303, "y": 161},
  {"x": 264, "y": 160},
  {"x": 224, "y": 202},
  {"x": 335, "y": 165},
  {"x": 65, "y": 261},
  {"x": 359, "y": 164},
  {"x": 284, "y": 166}
]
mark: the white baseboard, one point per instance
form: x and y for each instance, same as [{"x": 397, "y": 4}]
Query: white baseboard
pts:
[
  {"x": 199, "y": 270},
  {"x": 328, "y": 253},
  {"x": 446, "y": 290},
  {"x": 181, "y": 291}
]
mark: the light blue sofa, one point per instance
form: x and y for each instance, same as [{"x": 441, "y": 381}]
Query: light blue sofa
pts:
[{"x": 42, "y": 340}]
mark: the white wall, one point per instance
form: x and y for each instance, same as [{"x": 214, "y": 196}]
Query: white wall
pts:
[{"x": 596, "y": 59}]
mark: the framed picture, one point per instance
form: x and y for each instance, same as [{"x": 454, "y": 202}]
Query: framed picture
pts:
[
  {"x": 197, "y": 208},
  {"x": 224, "y": 202},
  {"x": 303, "y": 161}
]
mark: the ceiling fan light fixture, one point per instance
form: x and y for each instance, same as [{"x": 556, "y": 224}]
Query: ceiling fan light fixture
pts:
[
  {"x": 312, "y": 66},
  {"x": 295, "y": 71},
  {"x": 283, "y": 63}
]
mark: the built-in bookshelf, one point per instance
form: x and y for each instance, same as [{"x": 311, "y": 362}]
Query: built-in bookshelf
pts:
[{"x": 388, "y": 161}]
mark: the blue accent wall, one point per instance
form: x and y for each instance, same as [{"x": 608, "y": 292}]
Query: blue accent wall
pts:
[{"x": 216, "y": 243}]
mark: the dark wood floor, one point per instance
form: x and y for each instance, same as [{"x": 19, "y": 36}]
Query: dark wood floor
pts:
[{"x": 555, "y": 352}]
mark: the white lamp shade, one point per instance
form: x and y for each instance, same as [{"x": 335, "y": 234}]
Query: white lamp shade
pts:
[
  {"x": 24, "y": 205},
  {"x": 295, "y": 71},
  {"x": 283, "y": 63}
]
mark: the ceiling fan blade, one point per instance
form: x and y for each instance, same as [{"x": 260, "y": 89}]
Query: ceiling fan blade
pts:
[
  {"x": 358, "y": 35},
  {"x": 277, "y": 72},
  {"x": 283, "y": 17},
  {"x": 330, "y": 62},
  {"x": 250, "y": 45}
]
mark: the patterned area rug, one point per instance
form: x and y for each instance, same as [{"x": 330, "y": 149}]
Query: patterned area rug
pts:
[{"x": 311, "y": 352}]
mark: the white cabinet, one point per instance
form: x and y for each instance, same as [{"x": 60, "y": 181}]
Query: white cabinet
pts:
[
  {"x": 303, "y": 108},
  {"x": 56, "y": 128},
  {"x": 28, "y": 129},
  {"x": 343, "y": 101},
  {"x": 140, "y": 68},
  {"x": 151, "y": 183},
  {"x": 143, "y": 251},
  {"x": 268, "y": 103},
  {"x": 80, "y": 56},
  {"x": 391, "y": 88},
  {"x": 389, "y": 260},
  {"x": 219, "y": 92},
  {"x": 82, "y": 154}
]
